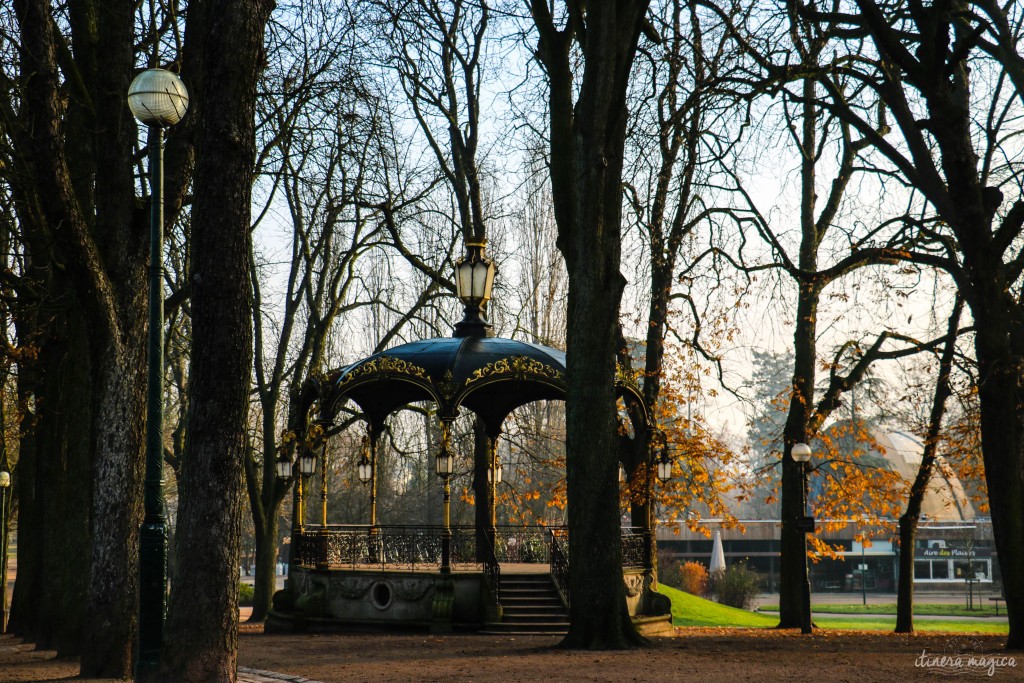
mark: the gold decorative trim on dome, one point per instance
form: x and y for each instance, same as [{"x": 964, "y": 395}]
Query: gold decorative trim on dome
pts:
[
  {"x": 447, "y": 386},
  {"x": 627, "y": 378},
  {"x": 385, "y": 365},
  {"x": 519, "y": 367}
]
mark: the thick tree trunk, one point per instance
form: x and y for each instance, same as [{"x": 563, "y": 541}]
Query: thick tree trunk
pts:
[
  {"x": 598, "y": 617},
  {"x": 53, "y": 487},
  {"x": 598, "y": 614},
  {"x": 793, "y": 551},
  {"x": 64, "y": 469},
  {"x": 905, "y": 584},
  {"x": 1002, "y": 430},
  {"x": 98, "y": 251},
  {"x": 202, "y": 621},
  {"x": 113, "y": 582},
  {"x": 587, "y": 142},
  {"x": 23, "y": 619}
]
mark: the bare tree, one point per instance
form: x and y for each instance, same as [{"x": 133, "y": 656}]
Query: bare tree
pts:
[
  {"x": 587, "y": 138},
  {"x": 949, "y": 75},
  {"x": 683, "y": 128},
  {"x": 317, "y": 127},
  {"x": 793, "y": 56}
]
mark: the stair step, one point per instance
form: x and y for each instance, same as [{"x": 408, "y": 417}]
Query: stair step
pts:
[
  {"x": 530, "y": 606},
  {"x": 554, "y": 628},
  {"x": 526, "y": 586},
  {"x": 544, "y": 614}
]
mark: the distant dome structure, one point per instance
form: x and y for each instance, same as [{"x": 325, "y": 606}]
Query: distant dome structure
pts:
[{"x": 945, "y": 499}]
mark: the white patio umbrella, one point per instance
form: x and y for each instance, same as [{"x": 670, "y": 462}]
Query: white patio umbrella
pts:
[{"x": 717, "y": 554}]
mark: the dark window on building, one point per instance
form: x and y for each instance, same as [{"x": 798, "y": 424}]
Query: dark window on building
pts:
[{"x": 922, "y": 570}]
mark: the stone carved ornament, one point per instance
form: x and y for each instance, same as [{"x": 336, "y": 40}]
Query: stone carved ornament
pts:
[
  {"x": 351, "y": 587},
  {"x": 410, "y": 590}
]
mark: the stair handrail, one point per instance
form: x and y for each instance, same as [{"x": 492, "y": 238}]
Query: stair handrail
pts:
[
  {"x": 492, "y": 570},
  {"x": 560, "y": 561}
]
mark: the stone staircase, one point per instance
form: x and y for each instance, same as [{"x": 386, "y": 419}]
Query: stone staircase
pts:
[{"x": 530, "y": 605}]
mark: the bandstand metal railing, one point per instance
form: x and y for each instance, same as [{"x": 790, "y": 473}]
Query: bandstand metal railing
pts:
[{"x": 397, "y": 547}]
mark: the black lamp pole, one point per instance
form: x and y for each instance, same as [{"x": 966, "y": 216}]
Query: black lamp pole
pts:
[
  {"x": 806, "y": 627},
  {"x": 5, "y": 482},
  {"x": 158, "y": 99},
  {"x": 863, "y": 575},
  {"x": 153, "y": 533},
  {"x": 801, "y": 454}
]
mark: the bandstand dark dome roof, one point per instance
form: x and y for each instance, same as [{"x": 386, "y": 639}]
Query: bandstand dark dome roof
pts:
[{"x": 491, "y": 376}]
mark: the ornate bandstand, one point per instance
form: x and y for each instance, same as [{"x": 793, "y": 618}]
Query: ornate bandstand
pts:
[{"x": 481, "y": 577}]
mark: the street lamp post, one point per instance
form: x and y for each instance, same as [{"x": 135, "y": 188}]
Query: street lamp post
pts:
[
  {"x": 801, "y": 453},
  {"x": 863, "y": 576},
  {"x": 5, "y": 483},
  {"x": 158, "y": 99},
  {"x": 664, "y": 474}
]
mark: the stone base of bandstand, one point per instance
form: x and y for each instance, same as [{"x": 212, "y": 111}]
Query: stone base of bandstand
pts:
[{"x": 372, "y": 598}]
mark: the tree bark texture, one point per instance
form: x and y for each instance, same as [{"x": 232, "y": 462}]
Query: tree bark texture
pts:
[
  {"x": 202, "y": 622},
  {"x": 63, "y": 479},
  {"x": 1002, "y": 430},
  {"x": 587, "y": 144}
]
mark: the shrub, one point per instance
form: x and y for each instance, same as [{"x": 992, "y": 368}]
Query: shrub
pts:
[
  {"x": 736, "y": 586},
  {"x": 245, "y": 594},
  {"x": 668, "y": 566},
  {"x": 693, "y": 578}
]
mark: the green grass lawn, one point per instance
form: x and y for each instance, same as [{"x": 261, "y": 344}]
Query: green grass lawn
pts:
[
  {"x": 690, "y": 610},
  {"x": 922, "y": 610}
]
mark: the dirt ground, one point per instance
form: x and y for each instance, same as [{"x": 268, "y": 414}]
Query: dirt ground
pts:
[{"x": 726, "y": 655}]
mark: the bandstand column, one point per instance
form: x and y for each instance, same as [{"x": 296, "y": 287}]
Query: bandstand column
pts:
[
  {"x": 323, "y": 487},
  {"x": 493, "y": 478},
  {"x": 373, "y": 482},
  {"x": 300, "y": 512},
  {"x": 445, "y": 463}
]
